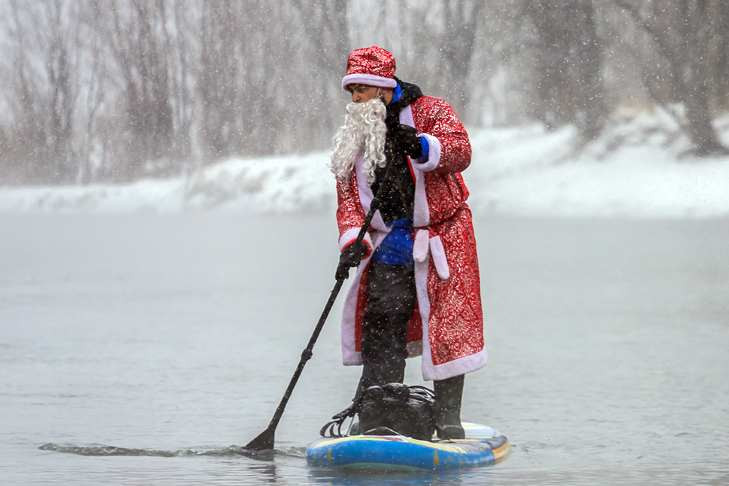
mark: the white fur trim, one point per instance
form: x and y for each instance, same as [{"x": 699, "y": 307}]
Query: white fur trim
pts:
[
  {"x": 424, "y": 245},
  {"x": 421, "y": 292},
  {"x": 439, "y": 258},
  {"x": 421, "y": 210},
  {"x": 433, "y": 154},
  {"x": 420, "y": 246},
  {"x": 350, "y": 355},
  {"x": 366, "y": 196},
  {"x": 459, "y": 366},
  {"x": 349, "y": 312},
  {"x": 349, "y": 236},
  {"x": 369, "y": 80}
]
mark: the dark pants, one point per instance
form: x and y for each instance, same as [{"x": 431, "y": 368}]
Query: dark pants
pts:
[{"x": 390, "y": 304}]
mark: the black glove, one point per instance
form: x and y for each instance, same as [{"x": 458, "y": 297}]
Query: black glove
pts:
[
  {"x": 406, "y": 137},
  {"x": 350, "y": 257}
]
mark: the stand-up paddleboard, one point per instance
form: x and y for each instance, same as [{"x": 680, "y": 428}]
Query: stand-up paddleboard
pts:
[{"x": 482, "y": 446}]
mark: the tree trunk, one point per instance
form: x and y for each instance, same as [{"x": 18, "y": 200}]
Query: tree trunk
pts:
[
  {"x": 696, "y": 88},
  {"x": 590, "y": 90}
]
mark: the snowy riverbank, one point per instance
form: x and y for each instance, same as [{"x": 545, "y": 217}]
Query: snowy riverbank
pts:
[{"x": 524, "y": 171}]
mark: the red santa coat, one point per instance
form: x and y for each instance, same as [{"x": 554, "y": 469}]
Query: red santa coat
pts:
[{"x": 447, "y": 325}]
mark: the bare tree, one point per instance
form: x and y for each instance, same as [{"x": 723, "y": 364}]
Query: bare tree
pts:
[
  {"x": 133, "y": 32},
  {"x": 219, "y": 77},
  {"x": 92, "y": 97},
  {"x": 456, "y": 47},
  {"x": 116, "y": 90},
  {"x": 59, "y": 36},
  {"x": 326, "y": 28},
  {"x": 44, "y": 80},
  {"x": 682, "y": 32},
  {"x": 719, "y": 51},
  {"x": 568, "y": 65},
  {"x": 25, "y": 135}
]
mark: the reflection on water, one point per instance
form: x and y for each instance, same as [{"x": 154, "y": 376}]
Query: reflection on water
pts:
[
  {"x": 168, "y": 336},
  {"x": 372, "y": 478},
  {"x": 264, "y": 472}
]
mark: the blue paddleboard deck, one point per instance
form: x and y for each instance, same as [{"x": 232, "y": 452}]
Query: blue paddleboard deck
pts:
[{"x": 482, "y": 446}]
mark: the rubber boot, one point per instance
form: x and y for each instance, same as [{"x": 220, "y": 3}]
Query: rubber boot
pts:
[
  {"x": 379, "y": 373},
  {"x": 448, "y": 395},
  {"x": 374, "y": 374}
]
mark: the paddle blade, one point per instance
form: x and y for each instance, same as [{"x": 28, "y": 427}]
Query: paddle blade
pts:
[{"x": 263, "y": 442}]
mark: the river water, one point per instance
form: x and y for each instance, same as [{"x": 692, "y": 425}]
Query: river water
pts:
[{"x": 175, "y": 335}]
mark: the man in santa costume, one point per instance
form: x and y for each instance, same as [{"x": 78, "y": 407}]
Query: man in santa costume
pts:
[{"x": 416, "y": 290}]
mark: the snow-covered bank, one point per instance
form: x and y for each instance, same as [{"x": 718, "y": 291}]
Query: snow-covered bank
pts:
[
  {"x": 635, "y": 169},
  {"x": 274, "y": 184}
]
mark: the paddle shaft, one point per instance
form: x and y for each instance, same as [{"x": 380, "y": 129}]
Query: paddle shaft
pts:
[
  {"x": 265, "y": 440},
  {"x": 307, "y": 353}
]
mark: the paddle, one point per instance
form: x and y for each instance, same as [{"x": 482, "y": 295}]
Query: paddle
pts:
[{"x": 265, "y": 439}]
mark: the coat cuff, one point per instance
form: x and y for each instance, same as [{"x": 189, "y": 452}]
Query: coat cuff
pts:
[
  {"x": 350, "y": 236},
  {"x": 433, "y": 154}
]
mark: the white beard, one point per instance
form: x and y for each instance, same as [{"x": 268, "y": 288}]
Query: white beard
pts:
[{"x": 364, "y": 130}]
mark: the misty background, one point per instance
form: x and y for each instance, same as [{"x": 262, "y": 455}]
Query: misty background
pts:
[
  {"x": 132, "y": 317},
  {"x": 114, "y": 91}
]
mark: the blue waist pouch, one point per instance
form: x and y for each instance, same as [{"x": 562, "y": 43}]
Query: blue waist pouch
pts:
[{"x": 397, "y": 247}]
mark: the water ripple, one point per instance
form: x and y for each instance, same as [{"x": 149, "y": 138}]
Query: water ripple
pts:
[{"x": 107, "y": 450}]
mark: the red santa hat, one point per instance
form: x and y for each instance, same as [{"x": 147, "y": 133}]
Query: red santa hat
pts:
[{"x": 373, "y": 66}]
